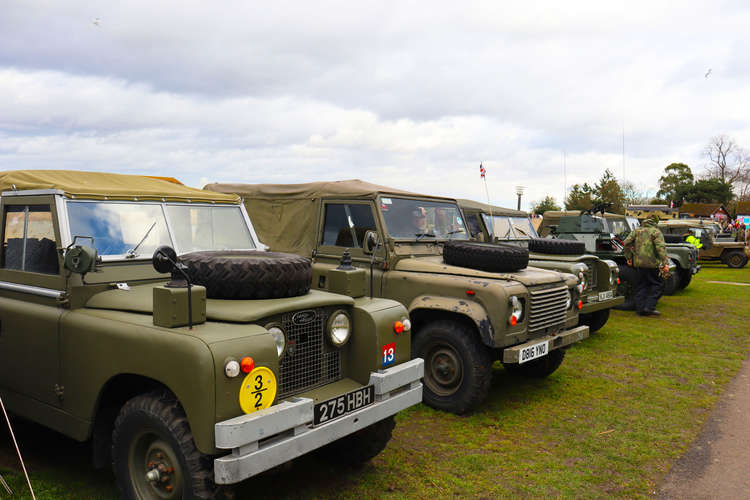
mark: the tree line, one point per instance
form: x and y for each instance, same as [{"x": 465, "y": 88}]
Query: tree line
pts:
[{"x": 726, "y": 178}]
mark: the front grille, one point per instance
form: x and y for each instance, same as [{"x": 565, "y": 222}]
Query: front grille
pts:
[
  {"x": 547, "y": 308},
  {"x": 590, "y": 275},
  {"x": 308, "y": 362}
]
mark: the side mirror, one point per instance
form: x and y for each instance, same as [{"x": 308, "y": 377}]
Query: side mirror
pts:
[{"x": 370, "y": 242}]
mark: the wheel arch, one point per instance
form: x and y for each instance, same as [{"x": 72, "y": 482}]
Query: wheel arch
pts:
[{"x": 467, "y": 313}]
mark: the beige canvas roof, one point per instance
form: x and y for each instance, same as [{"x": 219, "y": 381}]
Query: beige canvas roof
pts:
[
  {"x": 484, "y": 207},
  {"x": 100, "y": 186},
  {"x": 285, "y": 216}
]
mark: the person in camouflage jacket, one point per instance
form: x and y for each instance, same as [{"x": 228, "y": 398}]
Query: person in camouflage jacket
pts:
[{"x": 647, "y": 253}]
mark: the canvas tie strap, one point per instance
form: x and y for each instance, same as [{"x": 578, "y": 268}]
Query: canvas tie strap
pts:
[{"x": 15, "y": 443}]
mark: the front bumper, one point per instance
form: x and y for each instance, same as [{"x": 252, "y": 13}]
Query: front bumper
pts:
[
  {"x": 262, "y": 440},
  {"x": 510, "y": 355},
  {"x": 593, "y": 304}
]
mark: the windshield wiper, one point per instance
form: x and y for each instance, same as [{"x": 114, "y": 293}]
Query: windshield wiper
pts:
[
  {"x": 421, "y": 235},
  {"x": 132, "y": 252}
]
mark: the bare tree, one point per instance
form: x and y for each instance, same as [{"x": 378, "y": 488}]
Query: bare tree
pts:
[
  {"x": 635, "y": 195},
  {"x": 727, "y": 160}
]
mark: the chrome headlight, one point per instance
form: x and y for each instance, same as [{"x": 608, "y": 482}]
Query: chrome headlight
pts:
[
  {"x": 568, "y": 299},
  {"x": 581, "y": 282},
  {"x": 339, "y": 328},
  {"x": 516, "y": 313},
  {"x": 279, "y": 338},
  {"x": 612, "y": 278}
]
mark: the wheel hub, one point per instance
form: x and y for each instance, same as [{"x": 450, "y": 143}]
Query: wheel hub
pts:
[{"x": 445, "y": 372}]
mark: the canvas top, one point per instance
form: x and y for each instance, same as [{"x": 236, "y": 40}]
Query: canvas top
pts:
[{"x": 495, "y": 210}]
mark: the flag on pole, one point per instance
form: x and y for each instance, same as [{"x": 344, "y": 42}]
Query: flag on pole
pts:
[
  {"x": 482, "y": 171},
  {"x": 671, "y": 204}
]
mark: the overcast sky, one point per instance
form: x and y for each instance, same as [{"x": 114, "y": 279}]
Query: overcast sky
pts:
[{"x": 408, "y": 94}]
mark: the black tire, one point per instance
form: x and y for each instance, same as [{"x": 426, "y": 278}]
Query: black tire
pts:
[
  {"x": 361, "y": 446},
  {"x": 490, "y": 257},
  {"x": 686, "y": 275},
  {"x": 153, "y": 429},
  {"x": 539, "y": 368},
  {"x": 457, "y": 366},
  {"x": 673, "y": 238},
  {"x": 626, "y": 288},
  {"x": 249, "y": 274},
  {"x": 736, "y": 259},
  {"x": 671, "y": 284},
  {"x": 557, "y": 246},
  {"x": 594, "y": 320}
]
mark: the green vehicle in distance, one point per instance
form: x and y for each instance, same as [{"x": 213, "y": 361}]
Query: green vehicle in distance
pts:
[
  {"x": 187, "y": 372},
  {"x": 598, "y": 277},
  {"x": 469, "y": 303},
  {"x": 714, "y": 247},
  {"x": 683, "y": 255}
]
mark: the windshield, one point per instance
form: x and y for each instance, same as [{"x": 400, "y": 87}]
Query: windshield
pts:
[
  {"x": 133, "y": 230},
  {"x": 502, "y": 227},
  {"x": 633, "y": 222},
  {"x": 618, "y": 226},
  {"x": 421, "y": 219},
  {"x": 523, "y": 228}
]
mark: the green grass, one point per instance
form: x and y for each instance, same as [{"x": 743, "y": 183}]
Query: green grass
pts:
[{"x": 609, "y": 423}]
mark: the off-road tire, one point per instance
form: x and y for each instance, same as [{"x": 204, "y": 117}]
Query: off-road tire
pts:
[
  {"x": 557, "y": 246},
  {"x": 671, "y": 284},
  {"x": 673, "y": 238},
  {"x": 626, "y": 288},
  {"x": 249, "y": 274},
  {"x": 538, "y": 368},
  {"x": 361, "y": 446},
  {"x": 458, "y": 367},
  {"x": 594, "y": 320},
  {"x": 686, "y": 275},
  {"x": 490, "y": 257},
  {"x": 155, "y": 423},
  {"x": 736, "y": 259}
]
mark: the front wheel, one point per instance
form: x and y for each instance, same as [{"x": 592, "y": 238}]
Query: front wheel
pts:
[
  {"x": 686, "y": 275},
  {"x": 539, "y": 368},
  {"x": 457, "y": 366},
  {"x": 671, "y": 284},
  {"x": 594, "y": 320},
  {"x": 154, "y": 456},
  {"x": 361, "y": 446}
]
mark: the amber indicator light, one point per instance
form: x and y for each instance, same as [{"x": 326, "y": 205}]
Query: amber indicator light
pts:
[
  {"x": 247, "y": 364},
  {"x": 398, "y": 327}
]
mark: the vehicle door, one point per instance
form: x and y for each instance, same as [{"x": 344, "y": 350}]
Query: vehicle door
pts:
[
  {"x": 343, "y": 225},
  {"x": 31, "y": 284}
]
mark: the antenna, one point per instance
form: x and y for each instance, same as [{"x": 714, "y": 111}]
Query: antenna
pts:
[
  {"x": 565, "y": 180},
  {"x": 623, "y": 147}
]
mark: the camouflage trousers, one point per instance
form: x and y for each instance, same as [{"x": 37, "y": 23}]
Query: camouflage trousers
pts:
[{"x": 649, "y": 289}]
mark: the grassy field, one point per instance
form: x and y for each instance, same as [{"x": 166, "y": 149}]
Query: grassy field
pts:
[{"x": 609, "y": 423}]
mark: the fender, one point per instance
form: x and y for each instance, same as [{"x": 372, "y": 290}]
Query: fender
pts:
[{"x": 472, "y": 310}]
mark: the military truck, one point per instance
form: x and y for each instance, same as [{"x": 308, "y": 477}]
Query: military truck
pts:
[
  {"x": 186, "y": 372},
  {"x": 596, "y": 233},
  {"x": 598, "y": 277},
  {"x": 469, "y": 303},
  {"x": 682, "y": 254},
  {"x": 713, "y": 247}
]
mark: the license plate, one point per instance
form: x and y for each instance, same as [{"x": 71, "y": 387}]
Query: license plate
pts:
[
  {"x": 533, "y": 352},
  {"x": 606, "y": 295},
  {"x": 346, "y": 403}
]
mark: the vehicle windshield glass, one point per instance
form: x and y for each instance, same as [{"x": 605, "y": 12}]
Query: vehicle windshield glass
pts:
[
  {"x": 499, "y": 227},
  {"x": 523, "y": 228},
  {"x": 634, "y": 223},
  {"x": 130, "y": 230},
  {"x": 618, "y": 226},
  {"x": 422, "y": 219}
]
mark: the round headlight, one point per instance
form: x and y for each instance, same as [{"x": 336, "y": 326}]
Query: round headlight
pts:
[
  {"x": 516, "y": 311},
  {"x": 339, "y": 328},
  {"x": 568, "y": 299},
  {"x": 279, "y": 338},
  {"x": 612, "y": 277},
  {"x": 582, "y": 281}
]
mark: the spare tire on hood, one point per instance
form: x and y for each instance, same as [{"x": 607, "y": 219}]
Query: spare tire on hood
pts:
[
  {"x": 249, "y": 274},
  {"x": 557, "y": 246},
  {"x": 491, "y": 257}
]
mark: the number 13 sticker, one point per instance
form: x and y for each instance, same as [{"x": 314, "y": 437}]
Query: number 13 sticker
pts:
[
  {"x": 389, "y": 354},
  {"x": 258, "y": 390}
]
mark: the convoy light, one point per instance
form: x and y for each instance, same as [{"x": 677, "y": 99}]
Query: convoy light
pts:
[
  {"x": 232, "y": 368},
  {"x": 516, "y": 312},
  {"x": 339, "y": 328},
  {"x": 279, "y": 338},
  {"x": 247, "y": 364}
]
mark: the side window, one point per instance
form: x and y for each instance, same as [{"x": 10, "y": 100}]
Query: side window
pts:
[
  {"x": 345, "y": 224},
  {"x": 472, "y": 221},
  {"x": 29, "y": 240}
]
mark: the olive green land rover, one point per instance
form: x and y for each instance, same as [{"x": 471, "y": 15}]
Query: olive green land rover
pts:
[
  {"x": 598, "y": 277},
  {"x": 139, "y": 314},
  {"x": 469, "y": 303}
]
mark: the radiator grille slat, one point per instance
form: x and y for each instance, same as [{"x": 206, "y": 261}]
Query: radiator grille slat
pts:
[
  {"x": 308, "y": 361},
  {"x": 547, "y": 308}
]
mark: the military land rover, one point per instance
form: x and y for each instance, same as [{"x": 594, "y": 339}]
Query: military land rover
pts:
[
  {"x": 598, "y": 277},
  {"x": 469, "y": 303},
  {"x": 713, "y": 246},
  {"x": 194, "y": 371}
]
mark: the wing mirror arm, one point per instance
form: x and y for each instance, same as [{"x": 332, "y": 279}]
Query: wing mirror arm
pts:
[{"x": 165, "y": 261}]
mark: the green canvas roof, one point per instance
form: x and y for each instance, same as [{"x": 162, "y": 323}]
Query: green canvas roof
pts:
[
  {"x": 495, "y": 210},
  {"x": 107, "y": 186}
]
